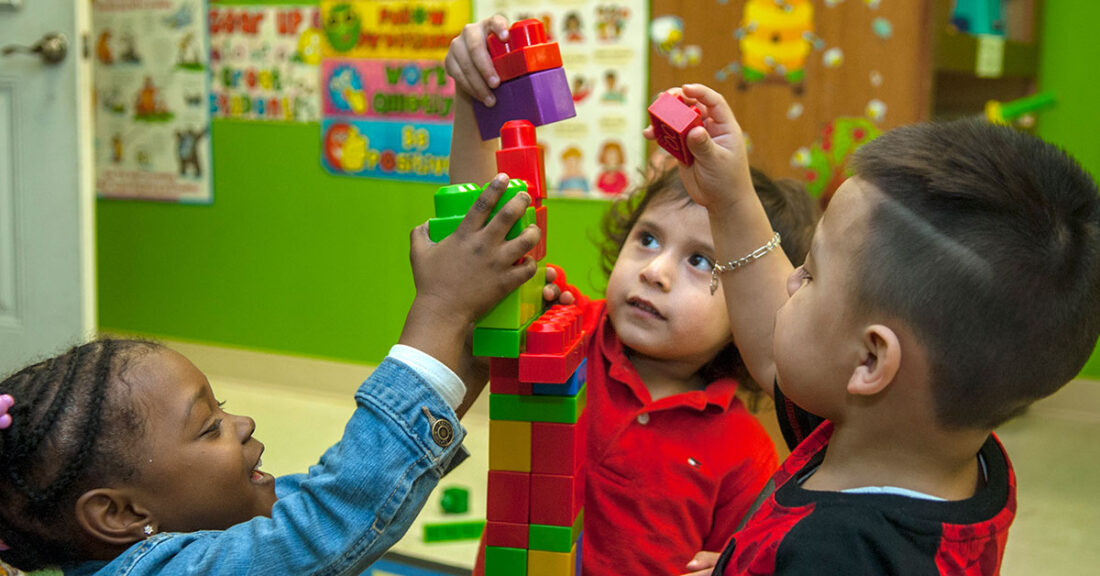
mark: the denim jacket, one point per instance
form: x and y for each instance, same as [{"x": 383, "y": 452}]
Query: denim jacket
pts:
[{"x": 345, "y": 513}]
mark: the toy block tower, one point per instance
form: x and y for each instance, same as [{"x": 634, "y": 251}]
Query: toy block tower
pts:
[
  {"x": 535, "y": 506},
  {"x": 532, "y": 86}
]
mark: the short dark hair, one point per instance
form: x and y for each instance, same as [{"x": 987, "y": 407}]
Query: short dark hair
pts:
[
  {"x": 72, "y": 424},
  {"x": 792, "y": 212},
  {"x": 986, "y": 243}
]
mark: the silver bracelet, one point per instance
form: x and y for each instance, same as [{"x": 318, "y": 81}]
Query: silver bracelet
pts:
[{"x": 743, "y": 261}]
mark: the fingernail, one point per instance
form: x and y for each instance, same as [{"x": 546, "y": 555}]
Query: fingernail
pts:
[
  {"x": 490, "y": 100},
  {"x": 493, "y": 81}
]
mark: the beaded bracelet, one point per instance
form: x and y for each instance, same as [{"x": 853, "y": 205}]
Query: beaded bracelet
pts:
[{"x": 743, "y": 261}]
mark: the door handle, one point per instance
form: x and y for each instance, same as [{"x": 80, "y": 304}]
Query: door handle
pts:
[{"x": 52, "y": 48}]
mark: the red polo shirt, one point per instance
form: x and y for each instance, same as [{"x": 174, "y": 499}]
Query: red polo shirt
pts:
[{"x": 665, "y": 479}]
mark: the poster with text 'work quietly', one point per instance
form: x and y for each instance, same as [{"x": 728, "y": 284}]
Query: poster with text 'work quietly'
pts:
[{"x": 387, "y": 102}]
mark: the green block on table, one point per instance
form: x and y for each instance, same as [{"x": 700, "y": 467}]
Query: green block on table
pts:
[
  {"x": 555, "y": 538},
  {"x": 558, "y": 409},
  {"x": 452, "y": 531},
  {"x": 501, "y": 561},
  {"x": 455, "y": 500},
  {"x": 519, "y": 307}
]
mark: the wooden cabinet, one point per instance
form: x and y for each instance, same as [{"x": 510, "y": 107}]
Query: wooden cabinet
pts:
[{"x": 880, "y": 64}]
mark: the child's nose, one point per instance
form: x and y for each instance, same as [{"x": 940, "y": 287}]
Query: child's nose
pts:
[
  {"x": 245, "y": 427},
  {"x": 657, "y": 271}
]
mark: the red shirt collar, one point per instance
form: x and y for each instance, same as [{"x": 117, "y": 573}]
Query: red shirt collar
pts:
[{"x": 719, "y": 393}]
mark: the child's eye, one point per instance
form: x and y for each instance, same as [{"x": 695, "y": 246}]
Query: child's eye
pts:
[
  {"x": 701, "y": 262},
  {"x": 214, "y": 429},
  {"x": 647, "y": 240}
]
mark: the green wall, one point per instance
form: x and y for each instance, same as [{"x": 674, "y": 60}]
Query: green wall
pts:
[
  {"x": 1069, "y": 52},
  {"x": 288, "y": 258}
]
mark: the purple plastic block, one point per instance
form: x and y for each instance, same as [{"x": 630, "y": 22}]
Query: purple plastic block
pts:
[{"x": 540, "y": 98}]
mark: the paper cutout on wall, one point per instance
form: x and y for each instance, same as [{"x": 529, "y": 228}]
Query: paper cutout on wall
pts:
[
  {"x": 825, "y": 162},
  {"x": 775, "y": 39},
  {"x": 667, "y": 34}
]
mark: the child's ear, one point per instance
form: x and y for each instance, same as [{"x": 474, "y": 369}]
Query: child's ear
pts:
[
  {"x": 110, "y": 515},
  {"x": 880, "y": 361}
]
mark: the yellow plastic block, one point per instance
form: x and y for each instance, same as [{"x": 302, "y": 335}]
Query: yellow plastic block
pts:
[
  {"x": 510, "y": 445},
  {"x": 543, "y": 563}
]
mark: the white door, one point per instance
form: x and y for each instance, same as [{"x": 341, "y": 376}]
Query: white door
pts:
[{"x": 47, "y": 297}]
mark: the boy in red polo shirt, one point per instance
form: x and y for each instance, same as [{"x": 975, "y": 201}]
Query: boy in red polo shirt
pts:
[{"x": 674, "y": 459}]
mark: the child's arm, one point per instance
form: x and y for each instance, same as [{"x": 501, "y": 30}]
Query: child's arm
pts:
[
  {"x": 459, "y": 279},
  {"x": 469, "y": 63},
  {"x": 719, "y": 180}
]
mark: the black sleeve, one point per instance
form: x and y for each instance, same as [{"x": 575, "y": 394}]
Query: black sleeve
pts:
[{"x": 795, "y": 422}]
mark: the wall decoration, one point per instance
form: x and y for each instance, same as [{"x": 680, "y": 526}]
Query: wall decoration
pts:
[
  {"x": 264, "y": 62},
  {"x": 600, "y": 152},
  {"x": 152, "y": 113},
  {"x": 825, "y": 162},
  {"x": 386, "y": 99}
]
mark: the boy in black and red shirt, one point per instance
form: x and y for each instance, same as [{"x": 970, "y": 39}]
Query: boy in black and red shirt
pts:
[{"x": 952, "y": 281}]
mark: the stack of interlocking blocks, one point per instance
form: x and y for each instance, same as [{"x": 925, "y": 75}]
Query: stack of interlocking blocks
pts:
[{"x": 537, "y": 367}]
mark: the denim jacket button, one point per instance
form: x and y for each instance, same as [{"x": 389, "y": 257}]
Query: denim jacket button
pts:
[{"x": 443, "y": 433}]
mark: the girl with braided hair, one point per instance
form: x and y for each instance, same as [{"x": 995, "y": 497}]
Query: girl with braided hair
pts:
[{"x": 117, "y": 458}]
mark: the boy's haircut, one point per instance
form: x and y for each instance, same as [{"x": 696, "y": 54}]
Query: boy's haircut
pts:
[
  {"x": 985, "y": 244},
  {"x": 791, "y": 211},
  {"x": 71, "y": 423}
]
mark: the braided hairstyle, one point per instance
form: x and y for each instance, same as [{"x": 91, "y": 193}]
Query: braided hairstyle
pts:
[{"x": 72, "y": 427}]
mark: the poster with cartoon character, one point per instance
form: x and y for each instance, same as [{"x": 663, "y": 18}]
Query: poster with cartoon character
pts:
[
  {"x": 600, "y": 152},
  {"x": 264, "y": 62},
  {"x": 152, "y": 100},
  {"x": 386, "y": 99}
]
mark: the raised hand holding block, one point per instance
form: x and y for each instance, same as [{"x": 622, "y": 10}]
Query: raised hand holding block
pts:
[{"x": 672, "y": 119}]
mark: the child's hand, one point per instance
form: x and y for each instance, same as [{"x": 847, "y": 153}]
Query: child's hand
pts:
[
  {"x": 459, "y": 279},
  {"x": 720, "y": 173},
  {"x": 468, "y": 60},
  {"x": 703, "y": 563},
  {"x": 556, "y": 290}
]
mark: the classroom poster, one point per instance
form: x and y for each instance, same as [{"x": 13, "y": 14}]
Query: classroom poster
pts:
[
  {"x": 598, "y": 153},
  {"x": 152, "y": 112},
  {"x": 264, "y": 62},
  {"x": 386, "y": 99}
]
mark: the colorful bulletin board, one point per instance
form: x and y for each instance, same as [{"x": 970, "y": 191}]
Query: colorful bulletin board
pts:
[
  {"x": 152, "y": 113},
  {"x": 597, "y": 154},
  {"x": 387, "y": 101},
  {"x": 264, "y": 61}
]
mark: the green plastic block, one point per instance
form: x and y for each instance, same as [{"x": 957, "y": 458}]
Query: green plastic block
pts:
[
  {"x": 559, "y": 409},
  {"x": 555, "y": 538},
  {"x": 456, "y": 199},
  {"x": 524, "y": 221},
  {"x": 455, "y": 500},
  {"x": 519, "y": 307},
  {"x": 500, "y": 342},
  {"x": 440, "y": 228},
  {"x": 501, "y": 561},
  {"x": 452, "y": 531}
]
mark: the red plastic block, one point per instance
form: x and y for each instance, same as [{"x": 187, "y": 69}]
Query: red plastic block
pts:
[
  {"x": 509, "y": 498},
  {"x": 504, "y": 377},
  {"x": 557, "y": 448},
  {"x": 521, "y": 157},
  {"x": 553, "y": 346},
  {"x": 526, "y": 60},
  {"x": 540, "y": 248},
  {"x": 506, "y": 534},
  {"x": 555, "y": 499},
  {"x": 672, "y": 119},
  {"x": 529, "y": 32}
]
